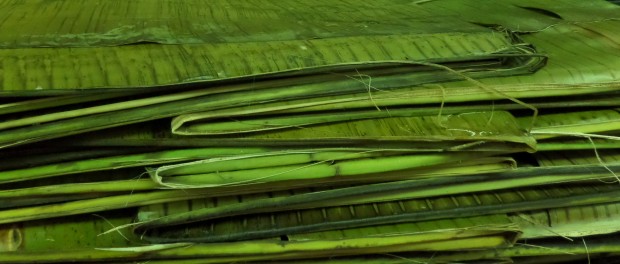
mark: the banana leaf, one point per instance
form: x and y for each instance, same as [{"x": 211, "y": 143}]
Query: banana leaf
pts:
[
  {"x": 433, "y": 59},
  {"x": 66, "y": 189},
  {"x": 483, "y": 131},
  {"x": 53, "y": 187},
  {"x": 268, "y": 207},
  {"x": 389, "y": 191},
  {"x": 140, "y": 110},
  {"x": 605, "y": 245},
  {"x": 76, "y": 232},
  {"x": 563, "y": 144},
  {"x": 576, "y": 56},
  {"x": 312, "y": 46},
  {"x": 392, "y": 258},
  {"x": 246, "y": 251},
  {"x": 74, "y": 187},
  {"x": 601, "y": 158},
  {"x": 127, "y": 191},
  {"x": 100, "y": 106},
  {"x": 394, "y": 103},
  {"x": 570, "y": 222},
  {"x": 21, "y": 202},
  {"x": 116, "y": 162},
  {"x": 471, "y": 233},
  {"x": 566, "y": 258},
  {"x": 42, "y": 155},
  {"x": 573, "y": 123},
  {"x": 28, "y": 104},
  {"x": 321, "y": 168},
  {"x": 124, "y": 174},
  {"x": 96, "y": 205},
  {"x": 243, "y": 22},
  {"x": 485, "y": 53},
  {"x": 343, "y": 260}
]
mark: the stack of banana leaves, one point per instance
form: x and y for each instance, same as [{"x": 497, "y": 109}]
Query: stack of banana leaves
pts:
[{"x": 279, "y": 131}]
